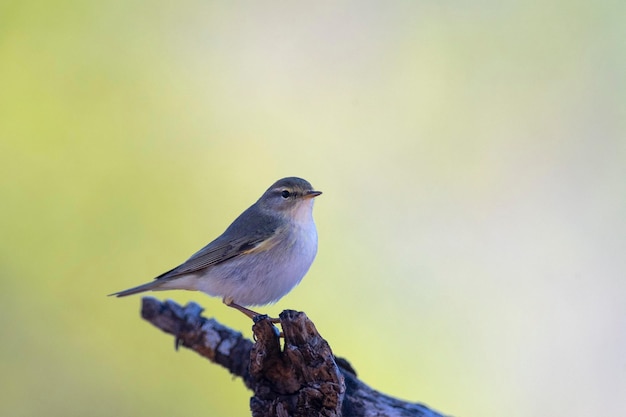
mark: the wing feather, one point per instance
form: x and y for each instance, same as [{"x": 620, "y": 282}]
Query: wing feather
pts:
[{"x": 235, "y": 241}]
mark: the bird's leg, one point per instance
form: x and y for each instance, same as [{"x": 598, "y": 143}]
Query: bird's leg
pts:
[{"x": 250, "y": 313}]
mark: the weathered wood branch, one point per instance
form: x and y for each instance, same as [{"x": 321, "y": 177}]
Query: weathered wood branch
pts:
[{"x": 300, "y": 379}]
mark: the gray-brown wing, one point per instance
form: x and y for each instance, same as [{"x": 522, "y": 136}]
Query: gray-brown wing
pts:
[{"x": 239, "y": 238}]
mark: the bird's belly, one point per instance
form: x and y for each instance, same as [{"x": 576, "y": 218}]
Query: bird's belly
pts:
[{"x": 260, "y": 278}]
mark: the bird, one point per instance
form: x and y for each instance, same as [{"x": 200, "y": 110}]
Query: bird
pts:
[{"x": 259, "y": 258}]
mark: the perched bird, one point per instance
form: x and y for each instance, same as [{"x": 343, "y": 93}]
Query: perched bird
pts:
[{"x": 259, "y": 258}]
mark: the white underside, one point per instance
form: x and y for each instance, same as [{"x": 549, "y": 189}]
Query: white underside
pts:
[{"x": 258, "y": 278}]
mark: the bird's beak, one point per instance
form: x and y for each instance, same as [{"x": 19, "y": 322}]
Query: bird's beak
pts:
[{"x": 311, "y": 194}]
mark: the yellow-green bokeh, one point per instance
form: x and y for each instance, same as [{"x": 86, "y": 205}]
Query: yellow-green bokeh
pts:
[{"x": 472, "y": 157}]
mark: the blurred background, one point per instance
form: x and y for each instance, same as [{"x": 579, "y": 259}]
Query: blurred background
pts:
[{"x": 472, "y": 230}]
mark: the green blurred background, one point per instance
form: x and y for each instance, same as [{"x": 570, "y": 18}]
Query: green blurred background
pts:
[{"x": 472, "y": 228}]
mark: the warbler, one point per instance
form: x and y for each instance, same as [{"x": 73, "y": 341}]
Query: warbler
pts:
[{"x": 259, "y": 258}]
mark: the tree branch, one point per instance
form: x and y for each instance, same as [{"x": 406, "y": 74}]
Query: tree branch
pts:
[{"x": 301, "y": 379}]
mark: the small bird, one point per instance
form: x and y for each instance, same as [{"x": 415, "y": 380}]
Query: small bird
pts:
[{"x": 259, "y": 258}]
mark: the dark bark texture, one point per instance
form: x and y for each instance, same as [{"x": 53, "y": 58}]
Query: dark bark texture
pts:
[{"x": 291, "y": 375}]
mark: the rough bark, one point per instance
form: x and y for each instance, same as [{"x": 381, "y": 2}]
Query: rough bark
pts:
[{"x": 299, "y": 377}]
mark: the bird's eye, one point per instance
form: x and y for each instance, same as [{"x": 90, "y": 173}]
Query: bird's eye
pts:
[{"x": 285, "y": 194}]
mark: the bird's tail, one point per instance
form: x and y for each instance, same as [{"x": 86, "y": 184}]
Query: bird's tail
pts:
[{"x": 153, "y": 285}]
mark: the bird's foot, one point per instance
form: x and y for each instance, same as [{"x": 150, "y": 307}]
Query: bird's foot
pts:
[{"x": 256, "y": 317}]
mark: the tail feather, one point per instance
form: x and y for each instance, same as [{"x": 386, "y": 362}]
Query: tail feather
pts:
[{"x": 140, "y": 288}]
